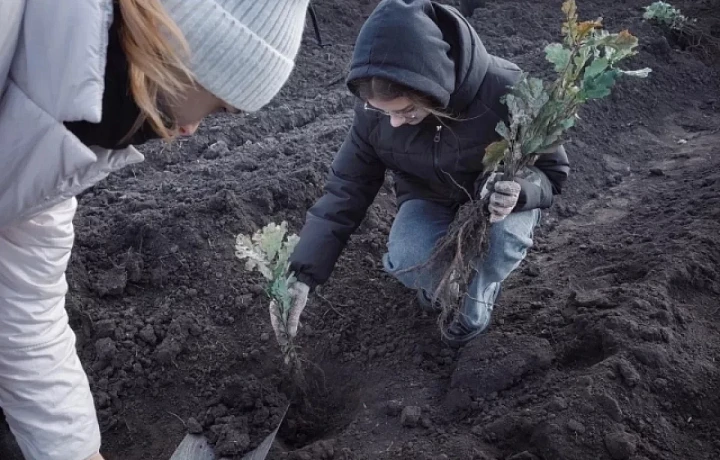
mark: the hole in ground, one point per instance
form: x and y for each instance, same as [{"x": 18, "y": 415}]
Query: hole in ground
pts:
[{"x": 322, "y": 406}]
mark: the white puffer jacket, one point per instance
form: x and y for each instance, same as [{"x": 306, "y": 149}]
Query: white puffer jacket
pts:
[
  {"x": 42, "y": 86},
  {"x": 52, "y": 65}
]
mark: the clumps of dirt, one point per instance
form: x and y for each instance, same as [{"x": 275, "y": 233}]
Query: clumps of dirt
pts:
[
  {"x": 495, "y": 362},
  {"x": 246, "y": 411}
]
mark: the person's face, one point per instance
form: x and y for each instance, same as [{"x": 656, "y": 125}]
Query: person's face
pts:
[
  {"x": 402, "y": 111},
  {"x": 196, "y": 104}
]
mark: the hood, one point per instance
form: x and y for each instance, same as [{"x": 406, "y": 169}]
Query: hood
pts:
[{"x": 423, "y": 45}]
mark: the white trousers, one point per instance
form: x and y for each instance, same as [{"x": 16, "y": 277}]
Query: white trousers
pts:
[{"x": 44, "y": 391}]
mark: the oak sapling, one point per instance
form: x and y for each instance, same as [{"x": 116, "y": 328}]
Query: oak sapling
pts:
[
  {"x": 689, "y": 33},
  {"x": 268, "y": 252},
  {"x": 540, "y": 114},
  {"x": 665, "y": 14}
]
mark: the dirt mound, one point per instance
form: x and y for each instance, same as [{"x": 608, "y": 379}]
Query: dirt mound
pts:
[{"x": 604, "y": 343}]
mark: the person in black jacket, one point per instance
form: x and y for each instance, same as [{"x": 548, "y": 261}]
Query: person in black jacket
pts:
[{"x": 429, "y": 104}]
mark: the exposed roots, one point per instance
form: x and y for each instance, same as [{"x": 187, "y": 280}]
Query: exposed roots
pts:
[
  {"x": 454, "y": 257},
  {"x": 701, "y": 37}
]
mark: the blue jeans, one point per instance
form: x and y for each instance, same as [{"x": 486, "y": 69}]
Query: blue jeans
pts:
[{"x": 419, "y": 224}]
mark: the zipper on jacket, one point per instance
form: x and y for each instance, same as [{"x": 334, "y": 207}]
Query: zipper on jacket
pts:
[{"x": 436, "y": 146}]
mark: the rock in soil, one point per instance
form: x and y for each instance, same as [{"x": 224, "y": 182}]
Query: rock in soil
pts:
[
  {"x": 621, "y": 446},
  {"x": 410, "y": 416},
  {"x": 629, "y": 374},
  {"x": 393, "y": 407},
  {"x": 193, "y": 426}
]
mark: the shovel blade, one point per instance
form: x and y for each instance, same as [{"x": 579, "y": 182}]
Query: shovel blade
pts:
[
  {"x": 193, "y": 447},
  {"x": 261, "y": 451},
  {"x": 196, "y": 447}
]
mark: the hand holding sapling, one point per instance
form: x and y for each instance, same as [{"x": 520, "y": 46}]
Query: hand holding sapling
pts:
[
  {"x": 539, "y": 115},
  {"x": 286, "y": 332},
  {"x": 268, "y": 251}
]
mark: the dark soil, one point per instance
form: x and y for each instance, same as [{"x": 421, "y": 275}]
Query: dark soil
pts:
[{"x": 604, "y": 345}]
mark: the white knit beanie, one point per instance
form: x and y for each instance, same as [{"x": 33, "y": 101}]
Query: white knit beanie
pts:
[{"x": 242, "y": 50}]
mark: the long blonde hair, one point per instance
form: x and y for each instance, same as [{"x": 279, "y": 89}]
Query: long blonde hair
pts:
[{"x": 157, "y": 55}]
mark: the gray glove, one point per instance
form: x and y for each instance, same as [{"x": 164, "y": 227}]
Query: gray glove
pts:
[
  {"x": 503, "y": 197},
  {"x": 299, "y": 293}
]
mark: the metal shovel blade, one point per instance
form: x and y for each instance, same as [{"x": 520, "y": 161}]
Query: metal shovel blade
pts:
[
  {"x": 196, "y": 447},
  {"x": 193, "y": 447},
  {"x": 261, "y": 451}
]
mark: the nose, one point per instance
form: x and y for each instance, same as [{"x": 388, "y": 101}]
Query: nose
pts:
[
  {"x": 396, "y": 121},
  {"x": 189, "y": 129}
]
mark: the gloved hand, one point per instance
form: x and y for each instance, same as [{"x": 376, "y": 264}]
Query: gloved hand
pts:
[
  {"x": 299, "y": 294},
  {"x": 503, "y": 200},
  {"x": 503, "y": 197}
]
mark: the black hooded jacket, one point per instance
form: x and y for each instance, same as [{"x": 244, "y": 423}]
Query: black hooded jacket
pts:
[{"x": 431, "y": 48}]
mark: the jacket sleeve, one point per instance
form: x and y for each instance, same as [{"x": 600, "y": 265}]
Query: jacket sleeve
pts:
[
  {"x": 543, "y": 180},
  {"x": 354, "y": 180},
  {"x": 11, "y": 14}
]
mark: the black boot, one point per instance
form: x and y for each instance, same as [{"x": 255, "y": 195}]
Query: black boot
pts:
[{"x": 458, "y": 334}]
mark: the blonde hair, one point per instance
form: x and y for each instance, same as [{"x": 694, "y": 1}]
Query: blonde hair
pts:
[{"x": 157, "y": 55}]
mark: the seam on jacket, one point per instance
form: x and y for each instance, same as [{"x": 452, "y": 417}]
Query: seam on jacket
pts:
[{"x": 107, "y": 6}]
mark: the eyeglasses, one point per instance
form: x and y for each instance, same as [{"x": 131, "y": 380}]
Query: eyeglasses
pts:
[{"x": 406, "y": 115}]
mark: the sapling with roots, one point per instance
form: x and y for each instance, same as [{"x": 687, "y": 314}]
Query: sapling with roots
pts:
[
  {"x": 540, "y": 114},
  {"x": 268, "y": 252}
]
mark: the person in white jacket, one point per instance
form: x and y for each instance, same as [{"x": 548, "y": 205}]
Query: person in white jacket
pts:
[{"x": 81, "y": 82}]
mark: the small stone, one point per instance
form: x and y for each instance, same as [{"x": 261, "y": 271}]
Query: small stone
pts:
[
  {"x": 148, "y": 334},
  {"x": 218, "y": 149},
  {"x": 393, "y": 408},
  {"x": 264, "y": 336},
  {"x": 629, "y": 374},
  {"x": 104, "y": 328},
  {"x": 193, "y": 426},
  {"x": 410, "y": 416},
  {"x": 558, "y": 404},
  {"x": 621, "y": 446},
  {"x": 576, "y": 427},
  {"x": 102, "y": 400},
  {"x": 105, "y": 349}
]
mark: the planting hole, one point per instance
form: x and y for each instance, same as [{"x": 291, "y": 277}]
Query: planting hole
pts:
[{"x": 325, "y": 404}]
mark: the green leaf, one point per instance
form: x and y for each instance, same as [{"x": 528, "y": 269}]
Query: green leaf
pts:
[
  {"x": 502, "y": 130},
  {"x": 558, "y": 55},
  {"x": 595, "y": 68},
  {"x": 494, "y": 154},
  {"x": 600, "y": 86},
  {"x": 532, "y": 145},
  {"x": 568, "y": 123}
]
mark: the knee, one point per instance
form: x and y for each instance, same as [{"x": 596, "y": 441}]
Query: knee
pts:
[
  {"x": 404, "y": 262},
  {"x": 515, "y": 232},
  {"x": 510, "y": 241},
  {"x": 403, "y": 257}
]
